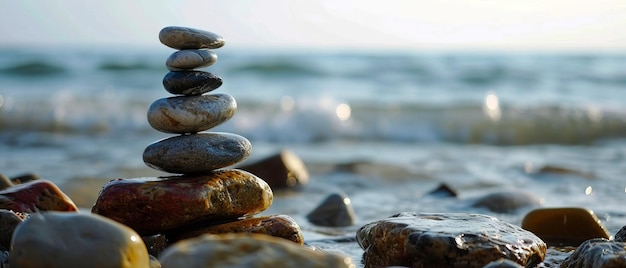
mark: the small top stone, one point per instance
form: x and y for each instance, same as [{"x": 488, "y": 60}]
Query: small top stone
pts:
[{"x": 188, "y": 38}]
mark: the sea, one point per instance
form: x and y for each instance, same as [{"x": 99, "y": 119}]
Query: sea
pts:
[{"x": 383, "y": 127}]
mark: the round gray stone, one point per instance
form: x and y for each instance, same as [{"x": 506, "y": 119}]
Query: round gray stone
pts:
[
  {"x": 191, "y": 83},
  {"x": 189, "y": 38},
  {"x": 197, "y": 153},
  {"x": 188, "y": 59},
  {"x": 191, "y": 114}
]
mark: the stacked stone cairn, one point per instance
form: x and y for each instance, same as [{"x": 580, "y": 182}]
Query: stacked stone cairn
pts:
[{"x": 202, "y": 196}]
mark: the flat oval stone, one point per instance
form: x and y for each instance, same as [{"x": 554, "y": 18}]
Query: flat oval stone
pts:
[
  {"x": 197, "y": 153},
  {"x": 247, "y": 250},
  {"x": 281, "y": 226},
  {"x": 447, "y": 240},
  {"x": 189, "y": 38},
  {"x": 188, "y": 59},
  {"x": 35, "y": 196},
  {"x": 158, "y": 205},
  {"x": 191, "y": 114},
  {"x": 191, "y": 83},
  {"x": 62, "y": 239},
  {"x": 597, "y": 252},
  {"x": 564, "y": 226}
]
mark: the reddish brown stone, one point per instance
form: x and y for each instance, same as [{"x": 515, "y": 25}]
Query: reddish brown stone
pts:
[
  {"x": 567, "y": 226},
  {"x": 156, "y": 205},
  {"x": 281, "y": 226},
  {"x": 35, "y": 196},
  {"x": 281, "y": 170}
]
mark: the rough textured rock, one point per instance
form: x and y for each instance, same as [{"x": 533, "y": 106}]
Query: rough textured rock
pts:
[
  {"x": 58, "y": 239},
  {"x": 157, "y": 205},
  {"x": 597, "y": 252},
  {"x": 281, "y": 226},
  {"x": 447, "y": 240},
  {"x": 508, "y": 202},
  {"x": 335, "y": 211},
  {"x": 246, "y": 250},
  {"x": 191, "y": 114},
  {"x": 621, "y": 235},
  {"x": 35, "y": 196},
  {"x": 282, "y": 170},
  {"x": 191, "y": 83},
  {"x": 564, "y": 226},
  {"x": 190, "y": 59},
  {"x": 9, "y": 220},
  {"x": 503, "y": 263},
  {"x": 197, "y": 153},
  {"x": 189, "y": 38}
]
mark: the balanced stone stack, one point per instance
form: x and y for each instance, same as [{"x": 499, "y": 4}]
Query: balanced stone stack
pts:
[{"x": 204, "y": 197}]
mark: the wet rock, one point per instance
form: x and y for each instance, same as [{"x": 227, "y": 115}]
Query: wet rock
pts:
[
  {"x": 444, "y": 190},
  {"x": 58, "y": 239},
  {"x": 155, "y": 244},
  {"x": 156, "y": 205},
  {"x": 621, "y": 235},
  {"x": 508, "y": 202},
  {"x": 282, "y": 170},
  {"x": 564, "y": 226},
  {"x": 189, "y": 38},
  {"x": 447, "y": 240},
  {"x": 281, "y": 226},
  {"x": 188, "y": 59},
  {"x": 9, "y": 220},
  {"x": 191, "y": 114},
  {"x": 5, "y": 182},
  {"x": 597, "y": 252},
  {"x": 197, "y": 153},
  {"x": 191, "y": 83},
  {"x": 24, "y": 178},
  {"x": 246, "y": 250},
  {"x": 335, "y": 211},
  {"x": 503, "y": 263},
  {"x": 35, "y": 196}
]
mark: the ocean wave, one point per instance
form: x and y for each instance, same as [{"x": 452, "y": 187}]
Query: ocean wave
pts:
[
  {"x": 34, "y": 68},
  {"x": 319, "y": 121}
]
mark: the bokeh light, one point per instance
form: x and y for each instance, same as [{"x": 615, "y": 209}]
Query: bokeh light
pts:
[{"x": 343, "y": 111}]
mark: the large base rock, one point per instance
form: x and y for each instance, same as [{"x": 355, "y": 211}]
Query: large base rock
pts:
[
  {"x": 158, "y": 205},
  {"x": 447, "y": 240},
  {"x": 597, "y": 252}
]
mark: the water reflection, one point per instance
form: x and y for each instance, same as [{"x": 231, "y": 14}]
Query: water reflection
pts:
[{"x": 491, "y": 106}]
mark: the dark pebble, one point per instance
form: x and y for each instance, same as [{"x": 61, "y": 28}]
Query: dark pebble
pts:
[
  {"x": 335, "y": 211},
  {"x": 191, "y": 83}
]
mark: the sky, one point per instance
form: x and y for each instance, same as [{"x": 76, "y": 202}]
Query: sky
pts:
[{"x": 303, "y": 24}]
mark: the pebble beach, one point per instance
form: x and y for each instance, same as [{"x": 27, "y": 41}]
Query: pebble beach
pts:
[{"x": 508, "y": 144}]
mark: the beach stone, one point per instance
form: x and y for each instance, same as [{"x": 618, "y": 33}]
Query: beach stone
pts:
[
  {"x": 444, "y": 190},
  {"x": 191, "y": 114},
  {"x": 35, "y": 196},
  {"x": 61, "y": 239},
  {"x": 161, "y": 204},
  {"x": 281, "y": 226},
  {"x": 567, "y": 226},
  {"x": 9, "y": 220},
  {"x": 508, "y": 201},
  {"x": 187, "y": 59},
  {"x": 191, "y": 83},
  {"x": 5, "y": 182},
  {"x": 25, "y": 178},
  {"x": 597, "y": 252},
  {"x": 335, "y": 211},
  {"x": 503, "y": 263},
  {"x": 197, "y": 153},
  {"x": 178, "y": 37},
  {"x": 281, "y": 170},
  {"x": 246, "y": 250},
  {"x": 620, "y": 235},
  {"x": 447, "y": 240}
]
